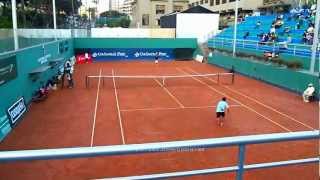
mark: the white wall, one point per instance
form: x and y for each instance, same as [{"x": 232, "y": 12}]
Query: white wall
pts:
[
  {"x": 194, "y": 25},
  {"x": 132, "y": 33}
]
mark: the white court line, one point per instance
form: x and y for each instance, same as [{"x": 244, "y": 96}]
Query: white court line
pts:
[
  {"x": 118, "y": 108},
  {"x": 170, "y": 94},
  {"x": 249, "y": 108},
  {"x": 262, "y": 104},
  {"x": 174, "y": 108},
  {"x": 95, "y": 112}
]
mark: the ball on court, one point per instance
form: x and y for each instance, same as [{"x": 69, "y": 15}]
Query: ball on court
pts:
[{"x": 156, "y": 61}]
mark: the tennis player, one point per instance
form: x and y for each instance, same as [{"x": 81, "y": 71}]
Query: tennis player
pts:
[{"x": 222, "y": 107}]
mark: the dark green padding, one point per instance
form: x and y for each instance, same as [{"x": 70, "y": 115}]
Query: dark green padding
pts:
[
  {"x": 23, "y": 86},
  {"x": 289, "y": 79}
]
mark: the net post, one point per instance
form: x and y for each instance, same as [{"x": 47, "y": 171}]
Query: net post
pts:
[
  {"x": 232, "y": 78},
  {"x": 87, "y": 81},
  {"x": 102, "y": 81},
  {"x": 218, "y": 81},
  {"x": 163, "y": 81}
]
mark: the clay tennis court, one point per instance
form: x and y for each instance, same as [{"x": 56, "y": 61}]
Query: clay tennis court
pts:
[{"x": 115, "y": 111}]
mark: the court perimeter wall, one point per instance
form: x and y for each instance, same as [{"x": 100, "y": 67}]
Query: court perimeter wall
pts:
[
  {"x": 171, "y": 43},
  {"x": 289, "y": 79},
  {"x": 110, "y": 49},
  {"x": 21, "y": 83}
]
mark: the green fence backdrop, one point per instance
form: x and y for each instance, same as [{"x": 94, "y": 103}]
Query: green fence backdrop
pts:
[
  {"x": 292, "y": 80},
  {"x": 24, "y": 85}
]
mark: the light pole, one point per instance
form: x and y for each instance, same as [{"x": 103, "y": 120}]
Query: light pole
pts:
[
  {"x": 315, "y": 39},
  {"x": 235, "y": 29},
  {"x": 72, "y": 28},
  {"x": 54, "y": 18},
  {"x": 14, "y": 23}
]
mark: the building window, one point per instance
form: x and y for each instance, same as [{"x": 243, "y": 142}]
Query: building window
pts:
[
  {"x": 217, "y": 2},
  {"x": 158, "y": 22},
  {"x": 145, "y": 20},
  {"x": 232, "y": 0},
  {"x": 206, "y": 1},
  {"x": 211, "y": 2},
  {"x": 224, "y": 1},
  {"x": 197, "y": 3},
  {"x": 177, "y": 8},
  {"x": 160, "y": 9},
  {"x": 201, "y": 2}
]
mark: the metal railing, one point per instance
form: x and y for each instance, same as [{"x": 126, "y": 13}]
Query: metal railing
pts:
[
  {"x": 300, "y": 50},
  {"x": 177, "y": 146}
]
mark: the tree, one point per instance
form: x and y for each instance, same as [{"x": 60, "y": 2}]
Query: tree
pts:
[{"x": 37, "y": 13}]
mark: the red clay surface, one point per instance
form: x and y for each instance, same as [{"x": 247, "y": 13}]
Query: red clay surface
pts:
[{"x": 182, "y": 110}]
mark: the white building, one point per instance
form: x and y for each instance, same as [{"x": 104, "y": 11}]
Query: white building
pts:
[
  {"x": 126, "y": 7},
  {"x": 147, "y": 13},
  {"x": 227, "y": 5}
]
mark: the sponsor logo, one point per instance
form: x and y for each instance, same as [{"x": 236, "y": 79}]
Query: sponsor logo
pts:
[
  {"x": 150, "y": 54},
  {"x": 44, "y": 59},
  {"x": 17, "y": 110},
  {"x": 109, "y": 54}
]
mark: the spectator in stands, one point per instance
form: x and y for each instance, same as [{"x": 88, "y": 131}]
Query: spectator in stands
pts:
[
  {"x": 258, "y": 24},
  {"x": 298, "y": 25},
  {"x": 272, "y": 29},
  {"x": 278, "y": 24},
  {"x": 300, "y": 22},
  {"x": 304, "y": 37},
  {"x": 273, "y": 37},
  {"x": 308, "y": 93},
  {"x": 264, "y": 39},
  {"x": 246, "y": 35},
  {"x": 280, "y": 17},
  {"x": 310, "y": 29},
  {"x": 286, "y": 30},
  {"x": 309, "y": 38}
]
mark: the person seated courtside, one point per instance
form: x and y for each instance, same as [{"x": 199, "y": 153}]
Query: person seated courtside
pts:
[{"x": 308, "y": 93}]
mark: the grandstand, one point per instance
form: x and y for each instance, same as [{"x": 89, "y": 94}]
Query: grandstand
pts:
[{"x": 251, "y": 44}]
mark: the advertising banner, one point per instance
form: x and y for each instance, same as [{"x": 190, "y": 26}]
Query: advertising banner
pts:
[
  {"x": 131, "y": 54},
  {"x": 16, "y": 111}
]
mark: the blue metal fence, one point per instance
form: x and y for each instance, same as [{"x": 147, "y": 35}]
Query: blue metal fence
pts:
[
  {"x": 177, "y": 146},
  {"x": 292, "y": 49}
]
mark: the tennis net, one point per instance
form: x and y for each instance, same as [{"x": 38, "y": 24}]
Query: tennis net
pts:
[{"x": 162, "y": 80}]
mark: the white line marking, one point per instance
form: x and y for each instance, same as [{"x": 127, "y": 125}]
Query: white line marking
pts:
[
  {"x": 95, "y": 112},
  {"x": 238, "y": 102},
  {"x": 262, "y": 104},
  {"x": 170, "y": 94},
  {"x": 118, "y": 108},
  {"x": 173, "y": 108}
]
